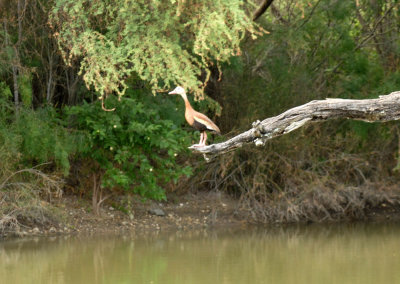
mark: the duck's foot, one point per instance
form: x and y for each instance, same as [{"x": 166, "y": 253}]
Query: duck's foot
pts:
[{"x": 196, "y": 146}]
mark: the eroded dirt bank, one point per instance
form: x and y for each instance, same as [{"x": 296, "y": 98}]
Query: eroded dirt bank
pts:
[{"x": 191, "y": 212}]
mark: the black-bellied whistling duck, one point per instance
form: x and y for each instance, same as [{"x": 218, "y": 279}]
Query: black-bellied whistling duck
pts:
[{"x": 196, "y": 119}]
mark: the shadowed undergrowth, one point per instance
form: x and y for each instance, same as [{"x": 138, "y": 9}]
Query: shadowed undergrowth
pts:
[
  {"x": 320, "y": 203},
  {"x": 314, "y": 174}
]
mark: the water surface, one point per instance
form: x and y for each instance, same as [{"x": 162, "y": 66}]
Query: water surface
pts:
[{"x": 356, "y": 253}]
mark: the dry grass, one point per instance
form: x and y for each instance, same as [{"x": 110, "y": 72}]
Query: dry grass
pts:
[{"x": 25, "y": 199}]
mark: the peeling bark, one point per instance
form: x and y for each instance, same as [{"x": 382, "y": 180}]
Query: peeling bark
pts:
[{"x": 384, "y": 108}]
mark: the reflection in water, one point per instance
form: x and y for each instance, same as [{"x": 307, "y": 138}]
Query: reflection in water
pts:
[{"x": 309, "y": 254}]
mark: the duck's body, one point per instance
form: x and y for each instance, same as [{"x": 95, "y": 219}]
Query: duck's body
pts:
[{"x": 196, "y": 119}]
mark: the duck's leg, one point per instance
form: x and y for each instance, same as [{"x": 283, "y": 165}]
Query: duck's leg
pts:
[
  {"x": 204, "y": 138},
  {"x": 201, "y": 140}
]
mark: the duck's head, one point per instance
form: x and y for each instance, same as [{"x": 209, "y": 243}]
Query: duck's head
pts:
[{"x": 178, "y": 91}]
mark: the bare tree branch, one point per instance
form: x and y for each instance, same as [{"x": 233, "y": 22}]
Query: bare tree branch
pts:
[
  {"x": 278, "y": 16},
  {"x": 384, "y": 108},
  {"x": 261, "y": 9}
]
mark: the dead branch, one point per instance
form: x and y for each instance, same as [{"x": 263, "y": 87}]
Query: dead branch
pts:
[
  {"x": 261, "y": 9},
  {"x": 384, "y": 108}
]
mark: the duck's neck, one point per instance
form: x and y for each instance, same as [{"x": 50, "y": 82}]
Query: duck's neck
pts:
[{"x": 187, "y": 103}]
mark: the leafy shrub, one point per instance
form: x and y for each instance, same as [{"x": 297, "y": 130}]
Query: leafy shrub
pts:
[
  {"x": 134, "y": 147},
  {"x": 36, "y": 136},
  {"x": 45, "y": 138}
]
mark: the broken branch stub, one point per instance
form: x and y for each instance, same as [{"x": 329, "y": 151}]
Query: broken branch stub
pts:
[{"x": 384, "y": 108}]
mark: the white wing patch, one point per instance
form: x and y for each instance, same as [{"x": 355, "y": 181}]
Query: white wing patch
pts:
[{"x": 204, "y": 122}]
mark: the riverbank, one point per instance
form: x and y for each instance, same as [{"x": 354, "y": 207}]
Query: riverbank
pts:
[
  {"x": 191, "y": 212},
  {"x": 203, "y": 210}
]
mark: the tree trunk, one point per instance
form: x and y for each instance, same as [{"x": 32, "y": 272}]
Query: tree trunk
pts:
[
  {"x": 384, "y": 108},
  {"x": 15, "y": 85},
  {"x": 97, "y": 194},
  {"x": 14, "y": 66}
]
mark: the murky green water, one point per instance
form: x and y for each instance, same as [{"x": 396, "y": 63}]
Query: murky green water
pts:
[{"x": 311, "y": 254}]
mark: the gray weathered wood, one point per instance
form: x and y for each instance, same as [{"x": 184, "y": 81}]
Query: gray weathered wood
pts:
[{"x": 384, "y": 108}]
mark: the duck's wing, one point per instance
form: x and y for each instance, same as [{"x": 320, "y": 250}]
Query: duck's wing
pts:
[{"x": 204, "y": 120}]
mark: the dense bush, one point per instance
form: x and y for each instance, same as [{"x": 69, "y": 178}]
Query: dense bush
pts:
[
  {"x": 133, "y": 147},
  {"x": 32, "y": 137}
]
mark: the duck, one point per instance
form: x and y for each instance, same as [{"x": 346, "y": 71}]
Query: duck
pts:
[{"x": 196, "y": 119}]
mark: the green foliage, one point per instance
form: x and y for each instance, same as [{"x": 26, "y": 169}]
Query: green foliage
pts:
[
  {"x": 25, "y": 89},
  {"x": 5, "y": 106},
  {"x": 164, "y": 42},
  {"x": 134, "y": 147},
  {"x": 33, "y": 137}
]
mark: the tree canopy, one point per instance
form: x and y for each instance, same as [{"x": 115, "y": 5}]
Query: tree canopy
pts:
[{"x": 165, "y": 43}]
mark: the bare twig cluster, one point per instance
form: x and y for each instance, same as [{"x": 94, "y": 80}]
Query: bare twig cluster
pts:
[{"x": 21, "y": 199}]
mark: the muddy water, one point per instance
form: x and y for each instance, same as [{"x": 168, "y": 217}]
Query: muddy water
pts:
[{"x": 309, "y": 254}]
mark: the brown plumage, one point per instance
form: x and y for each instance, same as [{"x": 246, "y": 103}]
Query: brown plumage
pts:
[{"x": 196, "y": 119}]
